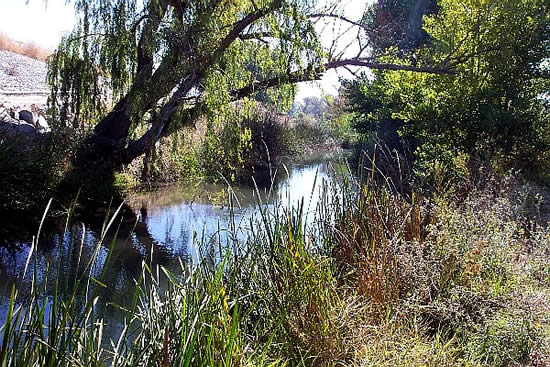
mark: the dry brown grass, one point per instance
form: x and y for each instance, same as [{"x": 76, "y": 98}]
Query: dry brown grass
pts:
[{"x": 31, "y": 49}]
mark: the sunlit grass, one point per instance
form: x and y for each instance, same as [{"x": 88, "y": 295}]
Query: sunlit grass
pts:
[{"x": 370, "y": 278}]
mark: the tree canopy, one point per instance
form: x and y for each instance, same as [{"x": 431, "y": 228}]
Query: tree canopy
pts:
[
  {"x": 168, "y": 61},
  {"x": 496, "y": 99}
]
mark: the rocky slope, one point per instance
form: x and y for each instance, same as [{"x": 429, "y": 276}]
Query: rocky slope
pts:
[
  {"x": 23, "y": 95},
  {"x": 22, "y": 81},
  {"x": 21, "y": 73}
]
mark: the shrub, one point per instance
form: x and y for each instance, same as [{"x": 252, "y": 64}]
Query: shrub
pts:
[
  {"x": 504, "y": 339},
  {"x": 29, "y": 169}
]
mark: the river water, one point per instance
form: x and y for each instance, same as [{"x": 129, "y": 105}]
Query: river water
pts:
[{"x": 161, "y": 227}]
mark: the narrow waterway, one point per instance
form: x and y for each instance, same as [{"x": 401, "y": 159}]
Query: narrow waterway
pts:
[{"x": 162, "y": 227}]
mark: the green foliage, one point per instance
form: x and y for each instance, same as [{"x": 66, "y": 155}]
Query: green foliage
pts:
[
  {"x": 341, "y": 120},
  {"x": 491, "y": 107},
  {"x": 30, "y": 168},
  {"x": 21, "y": 174},
  {"x": 504, "y": 339},
  {"x": 493, "y": 103},
  {"x": 142, "y": 50},
  {"x": 442, "y": 171},
  {"x": 224, "y": 150},
  {"x": 247, "y": 138},
  {"x": 69, "y": 75},
  {"x": 123, "y": 182},
  {"x": 370, "y": 103},
  {"x": 189, "y": 163}
]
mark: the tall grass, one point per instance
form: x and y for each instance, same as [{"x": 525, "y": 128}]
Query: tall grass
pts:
[{"x": 371, "y": 278}]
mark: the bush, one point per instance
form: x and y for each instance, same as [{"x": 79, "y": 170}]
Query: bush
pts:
[
  {"x": 235, "y": 147},
  {"x": 30, "y": 168}
]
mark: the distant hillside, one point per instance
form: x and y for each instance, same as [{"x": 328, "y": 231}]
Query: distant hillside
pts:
[{"x": 30, "y": 49}]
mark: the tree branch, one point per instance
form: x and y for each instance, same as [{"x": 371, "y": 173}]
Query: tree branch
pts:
[
  {"x": 260, "y": 36},
  {"x": 315, "y": 73},
  {"x": 336, "y": 16},
  {"x": 197, "y": 70}
]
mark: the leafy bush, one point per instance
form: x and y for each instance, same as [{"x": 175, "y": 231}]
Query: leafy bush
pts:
[
  {"x": 225, "y": 147},
  {"x": 30, "y": 168},
  {"x": 491, "y": 107},
  {"x": 233, "y": 146}
]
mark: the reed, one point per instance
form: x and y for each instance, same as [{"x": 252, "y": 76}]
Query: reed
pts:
[{"x": 291, "y": 286}]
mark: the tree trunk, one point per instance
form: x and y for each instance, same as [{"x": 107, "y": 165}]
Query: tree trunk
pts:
[
  {"x": 101, "y": 155},
  {"x": 108, "y": 139}
]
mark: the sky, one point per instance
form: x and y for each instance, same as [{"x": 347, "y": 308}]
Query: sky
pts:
[
  {"x": 46, "y": 22},
  {"x": 36, "y": 21},
  {"x": 329, "y": 84}
]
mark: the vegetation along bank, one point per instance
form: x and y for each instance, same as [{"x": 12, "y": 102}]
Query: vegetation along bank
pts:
[{"x": 430, "y": 247}]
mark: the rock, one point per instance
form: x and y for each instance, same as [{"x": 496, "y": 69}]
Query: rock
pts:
[
  {"x": 42, "y": 124},
  {"x": 6, "y": 128},
  {"x": 19, "y": 132},
  {"x": 26, "y": 129},
  {"x": 31, "y": 78},
  {"x": 27, "y": 116}
]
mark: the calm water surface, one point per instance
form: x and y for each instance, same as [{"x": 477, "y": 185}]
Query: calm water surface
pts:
[{"x": 161, "y": 227}]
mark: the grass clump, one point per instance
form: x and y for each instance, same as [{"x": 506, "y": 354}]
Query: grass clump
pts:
[
  {"x": 503, "y": 340},
  {"x": 368, "y": 277}
]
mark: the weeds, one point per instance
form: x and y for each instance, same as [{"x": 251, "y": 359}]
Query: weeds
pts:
[{"x": 373, "y": 278}]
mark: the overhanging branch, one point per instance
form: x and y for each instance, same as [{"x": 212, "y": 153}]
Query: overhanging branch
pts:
[
  {"x": 336, "y": 16},
  {"x": 315, "y": 73}
]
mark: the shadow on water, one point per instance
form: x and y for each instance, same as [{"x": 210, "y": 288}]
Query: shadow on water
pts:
[{"x": 161, "y": 227}]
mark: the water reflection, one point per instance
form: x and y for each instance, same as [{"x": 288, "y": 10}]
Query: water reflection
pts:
[{"x": 161, "y": 227}]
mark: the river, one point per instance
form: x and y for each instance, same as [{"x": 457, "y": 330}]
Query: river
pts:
[{"x": 161, "y": 227}]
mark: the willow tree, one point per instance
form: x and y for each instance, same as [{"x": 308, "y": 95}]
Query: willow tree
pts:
[{"x": 166, "y": 62}]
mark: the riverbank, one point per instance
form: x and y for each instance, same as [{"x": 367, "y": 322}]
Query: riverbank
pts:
[
  {"x": 233, "y": 151},
  {"x": 372, "y": 278}
]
